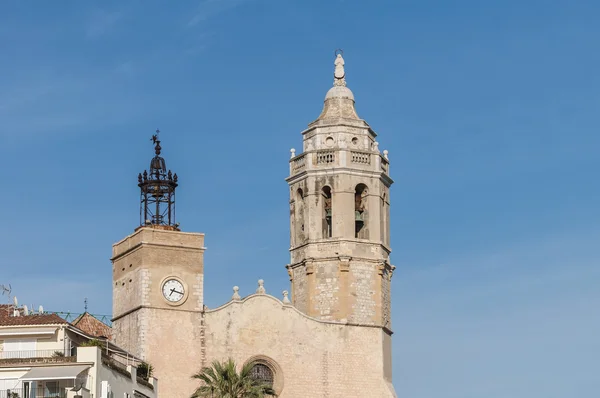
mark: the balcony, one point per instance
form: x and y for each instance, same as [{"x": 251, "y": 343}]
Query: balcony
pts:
[
  {"x": 327, "y": 158},
  {"x": 27, "y": 392},
  {"x": 35, "y": 356}
]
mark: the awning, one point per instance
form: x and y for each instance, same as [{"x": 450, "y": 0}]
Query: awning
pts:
[
  {"x": 27, "y": 331},
  {"x": 54, "y": 372}
]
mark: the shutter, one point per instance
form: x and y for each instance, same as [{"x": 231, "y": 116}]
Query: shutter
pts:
[{"x": 19, "y": 348}]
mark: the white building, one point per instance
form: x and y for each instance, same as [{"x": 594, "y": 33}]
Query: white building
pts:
[{"x": 42, "y": 355}]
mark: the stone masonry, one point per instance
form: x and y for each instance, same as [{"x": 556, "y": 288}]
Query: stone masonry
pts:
[
  {"x": 339, "y": 216},
  {"x": 333, "y": 339},
  {"x": 144, "y": 322}
]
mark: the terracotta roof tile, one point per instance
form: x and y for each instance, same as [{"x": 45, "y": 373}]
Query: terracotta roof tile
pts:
[
  {"x": 6, "y": 310},
  {"x": 92, "y": 326},
  {"x": 26, "y": 320}
]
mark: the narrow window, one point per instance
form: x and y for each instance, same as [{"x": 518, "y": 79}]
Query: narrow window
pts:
[
  {"x": 327, "y": 212},
  {"x": 383, "y": 220},
  {"x": 299, "y": 216},
  {"x": 360, "y": 212}
]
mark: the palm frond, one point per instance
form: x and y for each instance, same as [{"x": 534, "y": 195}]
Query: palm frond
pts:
[{"x": 222, "y": 380}]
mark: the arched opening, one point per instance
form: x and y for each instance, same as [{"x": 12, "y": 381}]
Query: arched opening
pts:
[
  {"x": 267, "y": 371},
  {"x": 383, "y": 228},
  {"x": 360, "y": 212},
  {"x": 299, "y": 217},
  {"x": 327, "y": 212}
]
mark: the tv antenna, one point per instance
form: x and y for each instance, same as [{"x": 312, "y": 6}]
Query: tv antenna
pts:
[{"x": 6, "y": 290}]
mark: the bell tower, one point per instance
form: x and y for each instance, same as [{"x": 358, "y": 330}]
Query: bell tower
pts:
[
  {"x": 158, "y": 274},
  {"x": 339, "y": 216}
]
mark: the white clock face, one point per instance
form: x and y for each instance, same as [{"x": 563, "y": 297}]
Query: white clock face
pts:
[{"x": 173, "y": 290}]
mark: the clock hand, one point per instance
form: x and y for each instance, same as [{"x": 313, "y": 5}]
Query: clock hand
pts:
[
  {"x": 178, "y": 292},
  {"x": 172, "y": 290}
]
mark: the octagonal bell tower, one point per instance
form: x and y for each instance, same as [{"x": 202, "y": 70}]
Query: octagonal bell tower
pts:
[{"x": 339, "y": 216}]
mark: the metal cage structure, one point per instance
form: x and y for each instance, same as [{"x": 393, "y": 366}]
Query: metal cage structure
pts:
[{"x": 157, "y": 192}]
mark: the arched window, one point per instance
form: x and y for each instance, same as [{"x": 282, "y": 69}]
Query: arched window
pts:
[
  {"x": 360, "y": 211},
  {"x": 383, "y": 225},
  {"x": 263, "y": 374},
  {"x": 299, "y": 218},
  {"x": 327, "y": 212}
]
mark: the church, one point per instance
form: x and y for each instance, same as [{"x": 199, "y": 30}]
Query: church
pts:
[{"x": 330, "y": 335}]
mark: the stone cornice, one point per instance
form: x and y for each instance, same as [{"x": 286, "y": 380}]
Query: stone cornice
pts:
[
  {"x": 161, "y": 231},
  {"x": 358, "y": 124},
  {"x": 345, "y": 240},
  {"x": 138, "y": 245},
  {"x": 139, "y": 307}
]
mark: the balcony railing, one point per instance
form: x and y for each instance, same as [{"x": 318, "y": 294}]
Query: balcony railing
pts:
[
  {"x": 35, "y": 356},
  {"x": 28, "y": 393},
  {"x": 115, "y": 364}
]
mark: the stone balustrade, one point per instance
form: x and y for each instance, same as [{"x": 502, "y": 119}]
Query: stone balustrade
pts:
[
  {"x": 298, "y": 164},
  {"x": 326, "y": 157},
  {"x": 360, "y": 157},
  {"x": 329, "y": 158}
]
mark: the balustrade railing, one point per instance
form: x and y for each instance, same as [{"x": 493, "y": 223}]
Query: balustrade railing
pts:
[
  {"x": 361, "y": 157},
  {"x": 116, "y": 364},
  {"x": 324, "y": 157},
  {"x": 33, "y": 393},
  {"x": 298, "y": 164},
  {"x": 385, "y": 165},
  {"x": 31, "y": 354},
  {"x": 328, "y": 158}
]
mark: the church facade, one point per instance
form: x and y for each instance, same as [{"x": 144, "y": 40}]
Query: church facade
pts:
[{"x": 331, "y": 335}]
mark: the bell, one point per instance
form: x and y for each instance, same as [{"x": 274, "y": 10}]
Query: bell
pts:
[
  {"x": 328, "y": 213},
  {"x": 358, "y": 216}
]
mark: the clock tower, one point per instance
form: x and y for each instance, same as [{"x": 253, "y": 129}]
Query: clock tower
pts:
[{"x": 158, "y": 276}]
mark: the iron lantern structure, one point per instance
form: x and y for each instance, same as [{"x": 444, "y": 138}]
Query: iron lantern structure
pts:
[{"x": 157, "y": 192}]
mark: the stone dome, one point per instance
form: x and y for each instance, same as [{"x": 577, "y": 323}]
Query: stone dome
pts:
[
  {"x": 339, "y": 92},
  {"x": 339, "y": 101}
]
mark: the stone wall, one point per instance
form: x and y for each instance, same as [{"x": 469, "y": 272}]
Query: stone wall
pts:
[
  {"x": 311, "y": 358},
  {"x": 174, "y": 347},
  {"x": 363, "y": 299},
  {"x": 146, "y": 324}
]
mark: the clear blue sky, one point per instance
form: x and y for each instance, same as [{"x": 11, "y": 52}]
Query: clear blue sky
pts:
[{"x": 489, "y": 111}]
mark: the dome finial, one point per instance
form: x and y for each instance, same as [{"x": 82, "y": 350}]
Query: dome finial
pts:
[{"x": 339, "y": 74}]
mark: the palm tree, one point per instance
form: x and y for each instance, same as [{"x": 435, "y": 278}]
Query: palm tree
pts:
[{"x": 221, "y": 380}]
